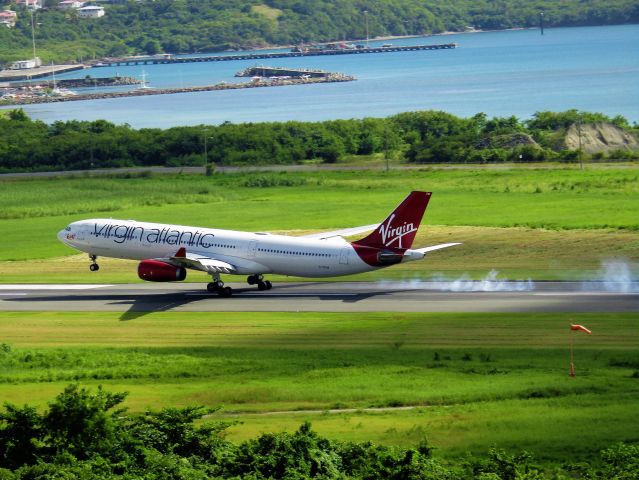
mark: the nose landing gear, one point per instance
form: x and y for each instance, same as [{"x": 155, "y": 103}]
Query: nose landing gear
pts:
[{"x": 94, "y": 267}]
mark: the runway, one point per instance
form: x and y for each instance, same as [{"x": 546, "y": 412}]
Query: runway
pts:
[{"x": 137, "y": 299}]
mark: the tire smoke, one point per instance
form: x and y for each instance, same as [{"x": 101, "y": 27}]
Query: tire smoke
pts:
[
  {"x": 614, "y": 276},
  {"x": 490, "y": 283}
]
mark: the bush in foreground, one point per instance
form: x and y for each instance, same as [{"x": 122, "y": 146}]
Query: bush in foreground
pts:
[{"x": 84, "y": 435}]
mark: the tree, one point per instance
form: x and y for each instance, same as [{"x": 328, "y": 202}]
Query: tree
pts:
[
  {"x": 78, "y": 422},
  {"x": 21, "y": 434},
  {"x": 18, "y": 115}
]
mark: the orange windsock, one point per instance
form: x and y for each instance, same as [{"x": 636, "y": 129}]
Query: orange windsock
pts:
[{"x": 580, "y": 327}]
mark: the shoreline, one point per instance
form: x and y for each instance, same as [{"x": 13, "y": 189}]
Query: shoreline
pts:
[{"x": 375, "y": 39}]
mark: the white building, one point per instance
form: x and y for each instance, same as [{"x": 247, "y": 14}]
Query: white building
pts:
[
  {"x": 8, "y": 18},
  {"x": 26, "y": 64},
  {"x": 32, "y": 4},
  {"x": 70, "y": 4},
  {"x": 91, "y": 12}
]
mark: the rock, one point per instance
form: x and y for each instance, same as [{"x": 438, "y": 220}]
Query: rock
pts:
[{"x": 599, "y": 137}]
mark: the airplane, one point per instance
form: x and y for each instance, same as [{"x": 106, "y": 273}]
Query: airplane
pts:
[{"x": 167, "y": 251}]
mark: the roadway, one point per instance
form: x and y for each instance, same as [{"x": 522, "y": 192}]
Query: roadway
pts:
[{"x": 138, "y": 299}]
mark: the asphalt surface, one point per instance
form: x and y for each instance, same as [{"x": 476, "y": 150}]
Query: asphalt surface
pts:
[{"x": 138, "y": 299}]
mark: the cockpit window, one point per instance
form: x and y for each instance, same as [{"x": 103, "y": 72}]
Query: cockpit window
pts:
[{"x": 68, "y": 229}]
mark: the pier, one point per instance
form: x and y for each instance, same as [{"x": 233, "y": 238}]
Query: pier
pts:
[
  {"x": 167, "y": 59},
  {"x": 39, "y": 72}
]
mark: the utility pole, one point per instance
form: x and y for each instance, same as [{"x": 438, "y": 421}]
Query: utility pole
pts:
[
  {"x": 386, "y": 153},
  {"x": 541, "y": 22},
  {"x": 33, "y": 34},
  {"x": 366, "y": 21},
  {"x": 208, "y": 169},
  {"x": 581, "y": 163}
]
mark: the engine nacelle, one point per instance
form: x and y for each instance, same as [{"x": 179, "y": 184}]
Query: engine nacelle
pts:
[{"x": 159, "y": 271}]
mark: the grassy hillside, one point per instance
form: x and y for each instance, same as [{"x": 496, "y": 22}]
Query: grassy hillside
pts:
[{"x": 189, "y": 26}]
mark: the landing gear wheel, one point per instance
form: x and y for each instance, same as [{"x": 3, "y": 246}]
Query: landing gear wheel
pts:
[
  {"x": 251, "y": 280},
  {"x": 225, "y": 292},
  {"x": 268, "y": 284},
  {"x": 214, "y": 287},
  {"x": 262, "y": 286},
  {"x": 94, "y": 267}
]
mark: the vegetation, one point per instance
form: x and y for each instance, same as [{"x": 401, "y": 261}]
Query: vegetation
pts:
[
  {"x": 476, "y": 379},
  {"x": 79, "y": 436},
  {"x": 417, "y": 137},
  {"x": 188, "y": 26}
]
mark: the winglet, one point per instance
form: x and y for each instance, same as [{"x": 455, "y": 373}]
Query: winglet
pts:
[{"x": 181, "y": 253}]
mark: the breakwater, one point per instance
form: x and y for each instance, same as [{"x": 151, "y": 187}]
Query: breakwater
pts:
[
  {"x": 331, "y": 78},
  {"x": 165, "y": 59},
  {"x": 86, "y": 82}
]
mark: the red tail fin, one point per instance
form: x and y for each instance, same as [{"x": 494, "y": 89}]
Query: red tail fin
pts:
[{"x": 400, "y": 228}]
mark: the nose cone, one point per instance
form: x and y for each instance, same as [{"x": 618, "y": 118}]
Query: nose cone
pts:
[{"x": 63, "y": 236}]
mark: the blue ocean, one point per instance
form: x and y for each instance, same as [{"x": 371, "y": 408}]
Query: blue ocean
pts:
[{"x": 504, "y": 73}]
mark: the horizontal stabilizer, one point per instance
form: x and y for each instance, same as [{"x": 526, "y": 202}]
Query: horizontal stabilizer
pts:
[
  {"x": 346, "y": 232},
  {"x": 436, "y": 247}
]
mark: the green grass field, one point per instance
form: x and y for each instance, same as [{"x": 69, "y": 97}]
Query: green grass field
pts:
[
  {"x": 478, "y": 379},
  {"x": 474, "y": 380},
  {"x": 540, "y": 223}
]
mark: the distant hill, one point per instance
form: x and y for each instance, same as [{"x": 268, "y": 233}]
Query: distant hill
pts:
[{"x": 186, "y": 26}]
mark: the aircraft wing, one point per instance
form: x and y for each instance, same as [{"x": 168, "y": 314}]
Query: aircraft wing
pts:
[
  {"x": 436, "y": 247},
  {"x": 346, "y": 232},
  {"x": 199, "y": 262}
]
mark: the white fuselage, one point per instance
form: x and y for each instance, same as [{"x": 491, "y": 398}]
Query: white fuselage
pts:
[{"x": 250, "y": 253}]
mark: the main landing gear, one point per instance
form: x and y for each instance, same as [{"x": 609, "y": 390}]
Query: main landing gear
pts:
[
  {"x": 217, "y": 285},
  {"x": 259, "y": 281},
  {"x": 94, "y": 267}
]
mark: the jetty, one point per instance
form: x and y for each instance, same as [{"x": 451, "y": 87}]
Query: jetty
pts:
[
  {"x": 256, "y": 83},
  {"x": 39, "y": 72},
  {"x": 167, "y": 59}
]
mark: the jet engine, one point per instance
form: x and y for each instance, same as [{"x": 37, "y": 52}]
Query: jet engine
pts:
[{"x": 158, "y": 271}]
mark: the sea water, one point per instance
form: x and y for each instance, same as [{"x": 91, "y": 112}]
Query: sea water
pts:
[{"x": 517, "y": 72}]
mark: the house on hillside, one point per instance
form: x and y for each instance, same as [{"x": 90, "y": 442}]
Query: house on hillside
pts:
[
  {"x": 70, "y": 4},
  {"x": 32, "y": 4},
  {"x": 8, "y": 18},
  {"x": 91, "y": 11},
  {"x": 26, "y": 64}
]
